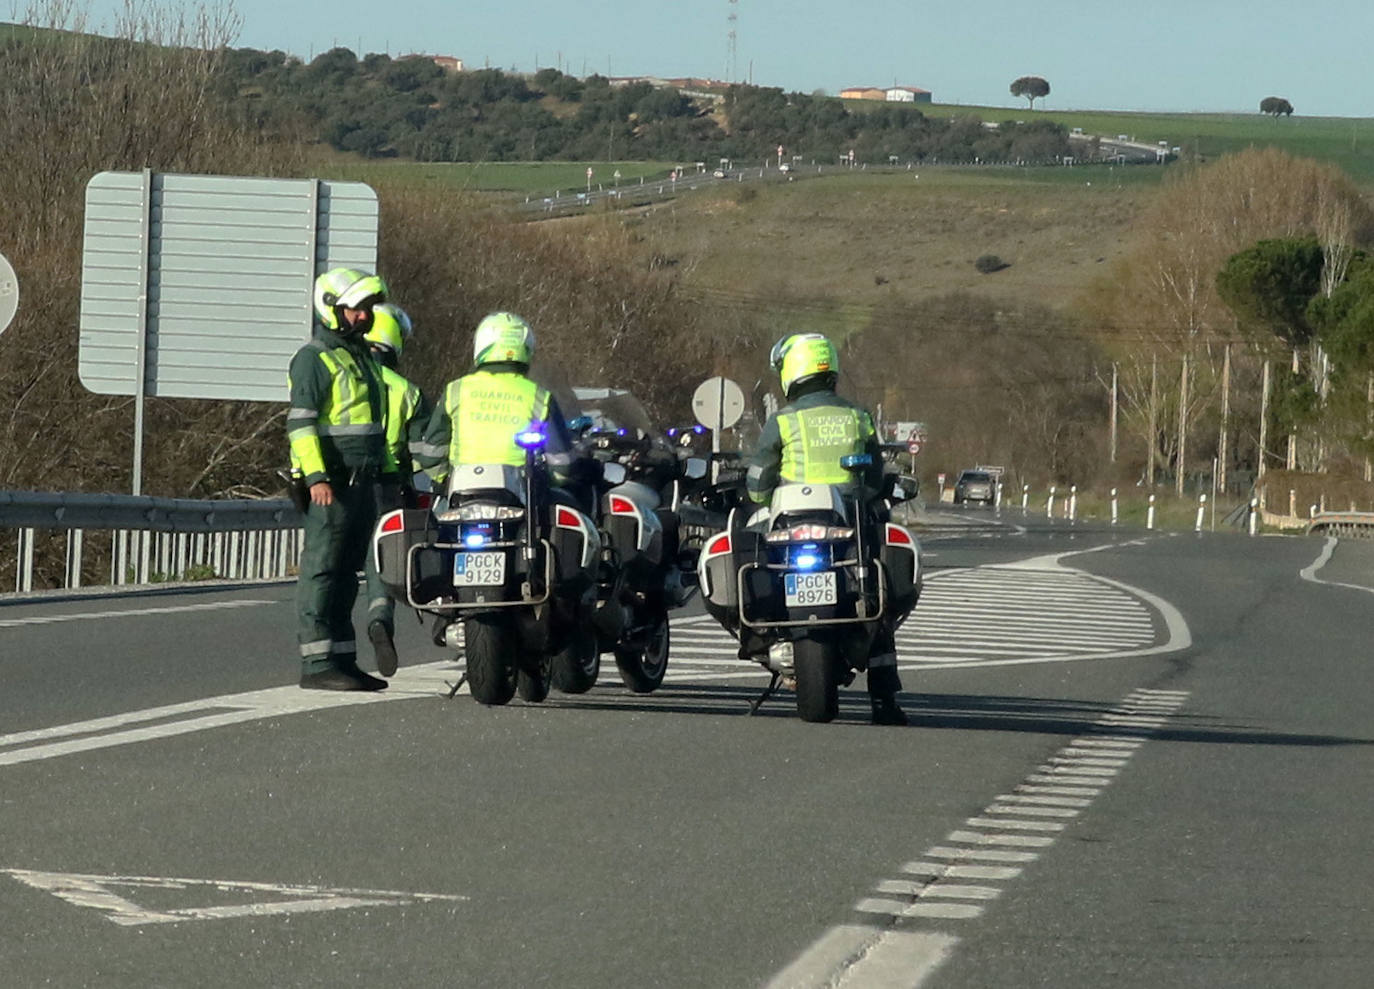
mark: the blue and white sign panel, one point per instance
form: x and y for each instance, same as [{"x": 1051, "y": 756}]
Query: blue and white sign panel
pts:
[{"x": 205, "y": 281}]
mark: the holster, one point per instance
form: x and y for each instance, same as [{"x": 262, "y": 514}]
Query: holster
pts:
[{"x": 296, "y": 489}]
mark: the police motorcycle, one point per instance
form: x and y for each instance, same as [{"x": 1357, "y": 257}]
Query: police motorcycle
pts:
[
  {"x": 505, "y": 557},
  {"x": 644, "y": 573},
  {"x": 806, "y": 583}
]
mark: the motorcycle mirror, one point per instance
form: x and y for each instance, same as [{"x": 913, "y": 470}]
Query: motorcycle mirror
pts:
[
  {"x": 613, "y": 473},
  {"x": 694, "y": 469}
]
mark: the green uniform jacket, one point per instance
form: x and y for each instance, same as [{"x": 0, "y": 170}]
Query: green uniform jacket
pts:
[
  {"x": 804, "y": 441},
  {"x": 335, "y": 423}
]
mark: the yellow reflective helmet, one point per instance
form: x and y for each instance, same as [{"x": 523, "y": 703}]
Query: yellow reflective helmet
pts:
[
  {"x": 391, "y": 328},
  {"x": 345, "y": 288},
  {"x": 502, "y": 337},
  {"x": 803, "y": 357}
]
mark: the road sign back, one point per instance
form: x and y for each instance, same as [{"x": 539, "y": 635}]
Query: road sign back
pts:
[
  {"x": 9, "y": 293},
  {"x": 718, "y": 403}
]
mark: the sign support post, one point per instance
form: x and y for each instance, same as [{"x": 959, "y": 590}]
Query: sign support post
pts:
[{"x": 141, "y": 360}]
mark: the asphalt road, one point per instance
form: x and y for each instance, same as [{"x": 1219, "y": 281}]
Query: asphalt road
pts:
[{"x": 1165, "y": 781}]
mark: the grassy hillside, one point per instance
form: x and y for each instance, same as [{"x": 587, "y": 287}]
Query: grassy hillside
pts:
[{"x": 862, "y": 240}]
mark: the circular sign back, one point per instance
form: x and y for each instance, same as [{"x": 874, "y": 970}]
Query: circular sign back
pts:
[
  {"x": 718, "y": 403},
  {"x": 9, "y": 293}
]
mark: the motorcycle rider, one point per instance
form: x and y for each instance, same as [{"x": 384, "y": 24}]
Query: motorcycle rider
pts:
[
  {"x": 335, "y": 430},
  {"x": 406, "y": 414},
  {"x": 480, "y": 413},
  {"x": 803, "y": 442}
]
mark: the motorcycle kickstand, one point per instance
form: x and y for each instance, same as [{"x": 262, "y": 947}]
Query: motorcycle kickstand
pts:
[
  {"x": 455, "y": 687},
  {"x": 767, "y": 693}
]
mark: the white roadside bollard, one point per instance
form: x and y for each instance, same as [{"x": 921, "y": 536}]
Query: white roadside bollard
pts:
[
  {"x": 1254, "y": 516},
  {"x": 1025, "y": 497},
  {"x": 1049, "y": 505},
  {"x": 1201, "y": 509},
  {"x": 1150, "y": 514},
  {"x": 1073, "y": 503},
  {"x": 1113, "y": 506}
]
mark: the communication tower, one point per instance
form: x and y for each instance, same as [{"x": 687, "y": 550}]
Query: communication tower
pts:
[{"x": 731, "y": 59}]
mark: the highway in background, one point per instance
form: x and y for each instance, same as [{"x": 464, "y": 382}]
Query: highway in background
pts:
[{"x": 1134, "y": 760}]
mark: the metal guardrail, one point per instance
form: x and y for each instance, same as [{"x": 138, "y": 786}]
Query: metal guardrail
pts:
[
  {"x": 151, "y": 540},
  {"x": 1354, "y": 525}
]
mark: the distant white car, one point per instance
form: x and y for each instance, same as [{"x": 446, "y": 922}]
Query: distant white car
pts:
[
  {"x": 719, "y": 173},
  {"x": 784, "y": 167}
]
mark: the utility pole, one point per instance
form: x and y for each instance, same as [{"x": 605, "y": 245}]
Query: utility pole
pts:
[
  {"x": 1182, "y": 424},
  {"x": 1111, "y": 451},
  {"x": 731, "y": 54},
  {"x": 1151, "y": 435},
  {"x": 1225, "y": 418},
  {"x": 1292, "y": 461},
  {"x": 1264, "y": 424}
]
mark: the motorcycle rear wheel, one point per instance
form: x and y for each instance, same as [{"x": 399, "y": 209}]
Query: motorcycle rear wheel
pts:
[
  {"x": 488, "y": 645},
  {"x": 643, "y": 666},
  {"x": 575, "y": 667},
  {"x": 532, "y": 680},
  {"x": 818, "y": 682}
]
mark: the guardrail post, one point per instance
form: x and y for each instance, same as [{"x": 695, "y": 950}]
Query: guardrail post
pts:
[
  {"x": 1073, "y": 503},
  {"x": 1049, "y": 505},
  {"x": 1113, "y": 506},
  {"x": 145, "y": 556},
  {"x": 1025, "y": 497},
  {"x": 23, "y": 572},
  {"x": 1150, "y": 514},
  {"x": 234, "y": 539},
  {"x": 73, "y": 578},
  {"x": 1254, "y": 516},
  {"x": 1201, "y": 510}
]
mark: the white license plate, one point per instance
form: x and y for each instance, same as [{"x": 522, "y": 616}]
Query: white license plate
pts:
[
  {"x": 479, "y": 569},
  {"x": 804, "y": 590}
]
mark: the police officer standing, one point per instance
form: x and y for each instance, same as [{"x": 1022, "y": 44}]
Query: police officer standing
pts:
[
  {"x": 803, "y": 443},
  {"x": 335, "y": 428},
  {"x": 406, "y": 413}
]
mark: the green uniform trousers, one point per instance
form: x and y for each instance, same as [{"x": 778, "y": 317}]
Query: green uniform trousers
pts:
[
  {"x": 380, "y": 606},
  {"x": 337, "y": 539}
]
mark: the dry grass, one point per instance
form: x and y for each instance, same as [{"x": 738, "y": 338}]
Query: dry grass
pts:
[{"x": 871, "y": 239}]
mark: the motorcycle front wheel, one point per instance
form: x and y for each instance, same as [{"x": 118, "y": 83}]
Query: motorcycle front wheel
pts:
[
  {"x": 643, "y": 664},
  {"x": 489, "y": 643},
  {"x": 532, "y": 681},
  {"x": 818, "y": 682}
]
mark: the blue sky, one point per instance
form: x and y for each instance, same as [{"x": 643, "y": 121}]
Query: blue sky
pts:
[{"x": 1175, "y": 55}]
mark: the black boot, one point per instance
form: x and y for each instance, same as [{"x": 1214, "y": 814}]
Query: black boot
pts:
[
  {"x": 384, "y": 647},
  {"x": 437, "y": 630},
  {"x": 887, "y": 712},
  {"x": 337, "y": 679}
]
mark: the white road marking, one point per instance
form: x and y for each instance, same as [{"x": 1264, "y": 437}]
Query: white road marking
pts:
[
  {"x": 1309, "y": 572},
  {"x": 861, "y": 955},
  {"x": 87, "y": 616},
  {"x": 99, "y": 892}
]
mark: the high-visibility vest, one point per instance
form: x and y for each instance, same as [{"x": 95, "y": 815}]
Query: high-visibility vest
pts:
[
  {"x": 348, "y": 413},
  {"x": 402, "y": 402},
  {"x": 814, "y": 440},
  {"x": 486, "y": 410}
]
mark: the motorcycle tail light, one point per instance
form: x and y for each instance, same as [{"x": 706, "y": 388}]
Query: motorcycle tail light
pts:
[
  {"x": 567, "y": 518},
  {"x": 395, "y": 522},
  {"x": 808, "y": 533},
  {"x": 622, "y": 506},
  {"x": 718, "y": 545},
  {"x": 898, "y": 536}
]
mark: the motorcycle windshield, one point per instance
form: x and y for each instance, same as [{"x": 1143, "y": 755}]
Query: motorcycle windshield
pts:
[{"x": 611, "y": 408}]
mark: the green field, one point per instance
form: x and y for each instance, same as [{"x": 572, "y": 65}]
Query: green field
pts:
[{"x": 1344, "y": 141}]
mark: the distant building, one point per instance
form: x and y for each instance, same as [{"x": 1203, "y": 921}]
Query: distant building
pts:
[
  {"x": 906, "y": 94},
  {"x": 863, "y": 93},
  {"x": 447, "y": 62}
]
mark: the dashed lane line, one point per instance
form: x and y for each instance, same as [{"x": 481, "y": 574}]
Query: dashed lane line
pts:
[{"x": 883, "y": 947}]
